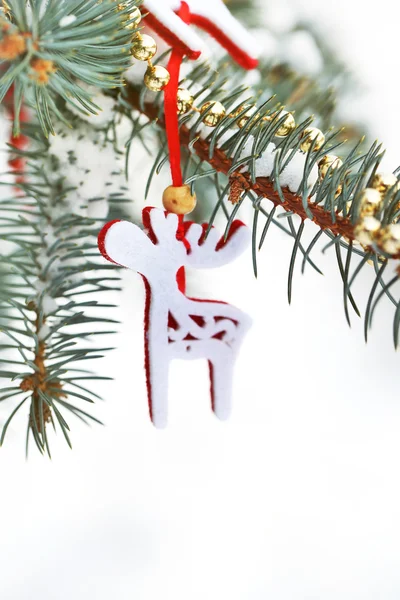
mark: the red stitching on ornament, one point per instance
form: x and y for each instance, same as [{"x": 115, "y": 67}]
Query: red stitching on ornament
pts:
[
  {"x": 101, "y": 239},
  {"x": 146, "y": 344}
]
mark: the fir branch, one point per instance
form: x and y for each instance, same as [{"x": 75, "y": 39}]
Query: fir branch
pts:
[
  {"x": 235, "y": 156},
  {"x": 49, "y": 51},
  {"x": 262, "y": 186},
  {"x": 45, "y": 327}
]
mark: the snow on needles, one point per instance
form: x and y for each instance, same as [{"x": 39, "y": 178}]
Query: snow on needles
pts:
[{"x": 292, "y": 174}]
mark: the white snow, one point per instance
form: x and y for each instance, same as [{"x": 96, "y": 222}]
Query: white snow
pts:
[
  {"x": 43, "y": 332},
  {"x": 67, "y": 20},
  {"x": 79, "y": 160},
  {"x": 49, "y": 305},
  {"x": 106, "y": 113},
  {"x": 291, "y": 176}
]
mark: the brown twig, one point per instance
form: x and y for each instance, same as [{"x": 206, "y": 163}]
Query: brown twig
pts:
[{"x": 37, "y": 382}]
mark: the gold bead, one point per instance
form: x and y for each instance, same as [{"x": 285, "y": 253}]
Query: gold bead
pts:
[
  {"x": 366, "y": 230},
  {"x": 178, "y": 199},
  {"x": 135, "y": 16},
  {"x": 143, "y": 47},
  {"x": 185, "y": 101},
  {"x": 370, "y": 203},
  {"x": 383, "y": 182},
  {"x": 389, "y": 239},
  {"x": 215, "y": 113},
  {"x": 245, "y": 113},
  {"x": 156, "y": 78},
  {"x": 348, "y": 204},
  {"x": 339, "y": 190},
  {"x": 308, "y": 136},
  {"x": 329, "y": 161},
  {"x": 288, "y": 124}
]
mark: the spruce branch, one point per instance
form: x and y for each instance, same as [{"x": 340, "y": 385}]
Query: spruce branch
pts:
[
  {"x": 48, "y": 49},
  {"x": 332, "y": 204},
  {"x": 48, "y": 321},
  {"x": 263, "y": 187}
]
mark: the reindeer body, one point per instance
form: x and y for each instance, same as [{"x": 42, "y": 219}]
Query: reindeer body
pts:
[{"x": 177, "y": 326}]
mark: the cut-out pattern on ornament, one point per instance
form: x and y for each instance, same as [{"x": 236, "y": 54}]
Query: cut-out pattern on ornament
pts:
[{"x": 177, "y": 326}]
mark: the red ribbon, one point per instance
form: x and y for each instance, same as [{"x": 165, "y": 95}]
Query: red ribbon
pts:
[{"x": 171, "y": 105}]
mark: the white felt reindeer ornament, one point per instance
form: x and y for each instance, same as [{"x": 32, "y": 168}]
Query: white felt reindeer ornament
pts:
[{"x": 177, "y": 326}]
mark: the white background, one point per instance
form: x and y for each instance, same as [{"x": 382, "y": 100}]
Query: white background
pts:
[{"x": 295, "y": 498}]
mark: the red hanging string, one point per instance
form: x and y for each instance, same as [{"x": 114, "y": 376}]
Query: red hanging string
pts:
[
  {"x": 172, "y": 128},
  {"x": 170, "y": 105}
]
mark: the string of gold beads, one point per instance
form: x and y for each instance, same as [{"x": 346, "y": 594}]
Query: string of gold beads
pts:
[
  {"x": 144, "y": 48},
  {"x": 156, "y": 78},
  {"x": 369, "y": 229}
]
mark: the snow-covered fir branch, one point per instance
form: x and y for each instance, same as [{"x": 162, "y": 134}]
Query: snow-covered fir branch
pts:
[{"x": 50, "y": 298}]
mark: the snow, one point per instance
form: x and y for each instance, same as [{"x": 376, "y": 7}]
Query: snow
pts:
[
  {"x": 106, "y": 113},
  {"x": 49, "y": 305},
  {"x": 43, "y": 332},
  {"x": 291, "y": 176},
  {"x": 80, "y": 156},
  {"x": 67, "y": 20}
]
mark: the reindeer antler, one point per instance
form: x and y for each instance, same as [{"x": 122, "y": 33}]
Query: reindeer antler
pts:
[
  {"x": 214, "y": 251},
  {"x": 125, "y": 244},
  {"x": 148, "y": 252},
  {"x": 161, "y": 226}
]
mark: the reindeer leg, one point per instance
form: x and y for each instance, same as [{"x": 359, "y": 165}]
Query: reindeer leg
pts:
[
  {"x": 221, "y": 379},
  {"x": 156, "y": 358},
  {"x": 157, "y": 370}
]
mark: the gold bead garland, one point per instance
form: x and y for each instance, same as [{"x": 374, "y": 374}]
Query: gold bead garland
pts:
[
  {"x": 366, "y": 230},
  {"x": 243, "y": 114},
  {"x": 144, "y": 48},
  {"x": 369, "y": 229},
  {"x": 134, "y": 17}
]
